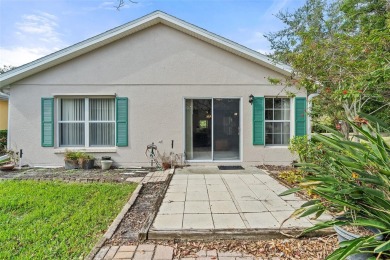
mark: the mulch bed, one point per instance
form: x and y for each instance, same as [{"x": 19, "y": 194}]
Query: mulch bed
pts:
[
  {"x": 274, "y": 168},
  {"x": 136, "y": 217},
  {"x": 305, "y": 248},
  {"x": 93, "y": 175}
]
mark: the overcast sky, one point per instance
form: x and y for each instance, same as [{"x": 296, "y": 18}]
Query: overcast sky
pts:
[{"x": 30, "y": 29}]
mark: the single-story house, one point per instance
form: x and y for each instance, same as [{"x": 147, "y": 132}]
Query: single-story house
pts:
[
  {"x": 3, "y": 111},
  {"x": 157, "y": 79}
]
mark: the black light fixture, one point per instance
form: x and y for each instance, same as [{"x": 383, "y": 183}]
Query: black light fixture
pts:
[{"x": 251, "y": 99}]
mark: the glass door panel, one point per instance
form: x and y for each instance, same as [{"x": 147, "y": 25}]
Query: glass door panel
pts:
[
  {"x": 198, "y": 129},
  {"x": 226, "y": 119}
]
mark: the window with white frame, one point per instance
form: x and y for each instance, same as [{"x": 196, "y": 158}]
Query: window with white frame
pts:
[
  {"x": 86, "y": 122},
  {"x": 277, "y": 121}
]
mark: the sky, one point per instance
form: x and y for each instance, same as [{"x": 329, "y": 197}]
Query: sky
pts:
[{"x": 30, "y": 29}]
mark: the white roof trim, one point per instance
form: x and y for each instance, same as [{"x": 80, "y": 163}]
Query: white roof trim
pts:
[
  {"x": 130, "y": 28},
  {"x": 3, "y": 96}
]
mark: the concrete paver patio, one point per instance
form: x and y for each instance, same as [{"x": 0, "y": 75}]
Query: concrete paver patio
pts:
[{"x": 205, "y": 198}]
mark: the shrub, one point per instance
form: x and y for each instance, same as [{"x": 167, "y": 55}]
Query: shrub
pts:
[
  {"x": 307, "y": 151},
  {"x": 292, "y": 177},
  {"x": 353, "y": 181},
  {"x": 3, "y": 141}
]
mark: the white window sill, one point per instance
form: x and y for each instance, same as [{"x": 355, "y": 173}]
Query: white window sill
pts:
[
  {"x": 276, "y": 146},
  {"x": 61, "y": 150}
]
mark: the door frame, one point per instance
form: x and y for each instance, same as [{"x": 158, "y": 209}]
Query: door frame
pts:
[{"x": 241, "y": 139}]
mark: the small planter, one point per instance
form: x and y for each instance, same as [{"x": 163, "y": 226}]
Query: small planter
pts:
[
  {"x": 7, "y": 167},
  {"x": 106, "y": 164},
  {"x": 344, "y": 235},
  {"x": 87, "y": 164},
  {"x": 166, "y": 165},
  {"x": 71, "y": 164}
]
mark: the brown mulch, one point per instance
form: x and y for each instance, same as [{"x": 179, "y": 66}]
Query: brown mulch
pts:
[
  {"x": 93, "y": 175},
  {"x": 274, "y": 168},
  {"x": 135, "y": 218},
  {"x": 304, "y": 248},
  {"x": 309, "y": 248}
]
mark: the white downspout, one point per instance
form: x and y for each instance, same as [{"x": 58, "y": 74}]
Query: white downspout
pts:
[{"x": 309, "y": 109}]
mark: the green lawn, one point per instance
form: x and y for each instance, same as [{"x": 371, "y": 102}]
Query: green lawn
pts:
[{"x": 56, "y": 220}]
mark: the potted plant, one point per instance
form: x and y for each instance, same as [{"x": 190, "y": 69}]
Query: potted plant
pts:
[
  {"x": 86, "y": 161},
  {"x": 71, "y": 159},
  {"x": 167, "y": 161},
  {"x": 10, "y": 163},
  {"x": 354, "y": 182}
]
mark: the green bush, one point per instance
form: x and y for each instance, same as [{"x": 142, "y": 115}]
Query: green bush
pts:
[
  {"x": 3, "y": 141},
  {"x": 353, "y": 181},
  {"x": 292, "y": 176},
  {"x": 307, "y": 151}
]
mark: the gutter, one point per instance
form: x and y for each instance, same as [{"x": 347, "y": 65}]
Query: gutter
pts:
[{"x": 309, "y": 109}]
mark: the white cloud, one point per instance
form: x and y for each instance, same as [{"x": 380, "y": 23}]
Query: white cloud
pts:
[
  {"x": 36, "y": 35},
  {"x": 20, "y": 55}
]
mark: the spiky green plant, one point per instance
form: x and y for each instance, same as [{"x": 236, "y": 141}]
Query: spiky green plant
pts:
[{"x": 354, "y": 182}]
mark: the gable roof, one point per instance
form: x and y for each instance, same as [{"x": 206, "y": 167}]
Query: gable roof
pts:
[{"x": 133, "y": 27}]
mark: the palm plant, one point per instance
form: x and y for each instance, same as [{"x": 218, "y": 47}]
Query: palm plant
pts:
[{"x": 353, "y": 183}]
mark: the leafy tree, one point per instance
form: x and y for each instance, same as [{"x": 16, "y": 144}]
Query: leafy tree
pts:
[
  {"x": 341, "y": 49},
  {"x": 6, "y": 68}
]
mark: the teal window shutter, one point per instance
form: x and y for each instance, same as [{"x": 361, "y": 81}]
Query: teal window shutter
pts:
[
  {"x": 47, "y": 122},
  {"x": 258, "y": 120},
  {"x": 122, "y": 121},
  {"x": 300, "y": 116}
]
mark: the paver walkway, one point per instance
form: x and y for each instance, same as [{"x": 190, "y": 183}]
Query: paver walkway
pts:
[
  {"x": 198, "y": 200},
  {"x": 158, "y": 176}
]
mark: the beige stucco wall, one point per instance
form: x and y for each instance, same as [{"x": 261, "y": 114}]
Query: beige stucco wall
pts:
[
  {"x": 3, "y": 114},
  {"x": 156, "y": 69}
]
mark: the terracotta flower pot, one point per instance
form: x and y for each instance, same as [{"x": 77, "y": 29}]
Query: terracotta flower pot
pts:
[
  {"x": 7, "y": 167},
  {"x": 166, "y": 165}
]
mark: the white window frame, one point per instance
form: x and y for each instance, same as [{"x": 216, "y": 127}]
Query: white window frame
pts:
[
  {"x": 290, "y": 121},
  {"x": 86, "y": 121}
]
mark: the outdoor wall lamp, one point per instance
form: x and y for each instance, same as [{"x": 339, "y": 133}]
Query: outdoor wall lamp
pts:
[{"x": 251, "y": 99}]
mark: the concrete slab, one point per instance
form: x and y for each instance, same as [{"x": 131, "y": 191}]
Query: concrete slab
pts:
[
  {"x": 205, "y": 199},
  {"x": 180, "y": 177},
  {"x": 219, "y": 195},
  {"x": 196, "y": 182},
  {"x": 197, "y": 187},
  {"x": 218, "y": 181},
  {"x": 261, "y": 220},
  {"x": 216, "y": 187},
  {"x": 198, "y": 221},
  {"x": 197, "y": 195},
  {"x": 180, "y": 182},
  {"x": 251, "y": 206},
  {"x": 171, "y": 208},
  {"x": 281, "y": 216},
  {"x": 197, "y": 207},
  {"x": 168, "y": 222},
  {"x": 177, "y": 188},
  {"x": 277, "y": 205},
  {"x": 223, "y": 207},
  {"x": 228, "y": 221},
  {"x": 174, "y": 196}
]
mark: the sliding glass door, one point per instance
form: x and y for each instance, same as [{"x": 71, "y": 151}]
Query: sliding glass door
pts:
[{"x": 212, "y": 129}]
